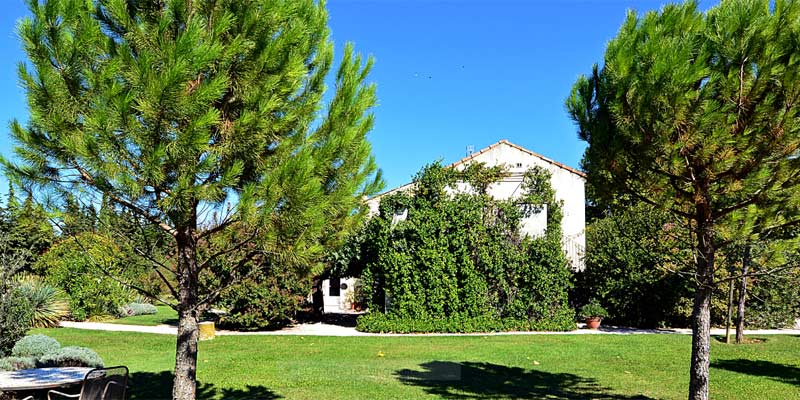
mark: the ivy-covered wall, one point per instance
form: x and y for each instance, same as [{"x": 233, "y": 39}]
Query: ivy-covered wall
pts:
[{"x": 458, "y": 262}]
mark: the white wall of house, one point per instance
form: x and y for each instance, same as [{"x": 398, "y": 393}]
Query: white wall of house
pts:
[
  {"x": 567, "y": 182},
  {"x": 338, "y": 301}
]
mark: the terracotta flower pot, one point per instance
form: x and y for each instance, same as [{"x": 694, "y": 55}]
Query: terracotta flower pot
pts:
[{"x": 593, "y": 322}]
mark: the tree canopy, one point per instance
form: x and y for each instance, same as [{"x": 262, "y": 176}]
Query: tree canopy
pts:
[
  {"x": 696, "y": 113},
  {"x": 204, "y": 119}
]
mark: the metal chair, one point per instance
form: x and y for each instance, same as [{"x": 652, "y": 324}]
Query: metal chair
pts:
[{"x": 99, "y": 384}]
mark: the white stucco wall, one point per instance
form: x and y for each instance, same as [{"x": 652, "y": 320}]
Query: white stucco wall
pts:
[
  {"x": 568, "y": 185},
  {"x": 341, "y": 303}
]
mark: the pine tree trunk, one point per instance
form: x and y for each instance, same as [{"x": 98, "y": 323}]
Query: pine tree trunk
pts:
[
  {"x": 701, "y": 315},
  {"x": 184, "y": 386},
  {"x": 740, "y": 308}
]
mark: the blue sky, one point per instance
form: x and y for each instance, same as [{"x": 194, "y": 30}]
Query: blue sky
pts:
[{"x": 449, "y": 73}]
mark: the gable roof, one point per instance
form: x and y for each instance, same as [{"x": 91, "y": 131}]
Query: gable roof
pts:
[
  {"x": 522, "y": 149},
  {"x": 502, "y": 142}
]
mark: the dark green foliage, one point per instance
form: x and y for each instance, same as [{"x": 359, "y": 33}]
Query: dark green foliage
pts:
[
  {"x": 16, "y": 312},
  {"x": 630, "y": 268},
  {"x": 634, "y": 259},
  {"x": 593, "y": 309},
  {"x": 460, "y": 258},
  {"x": 30, "y": 228},
  {"x": 268, "y": 300},
  {"x": 697, "y": 113},
  {"x": 71, "y": 356},
  {"x": 15, "y": 319},
  {"x": 35, "y": 346},
  {"x": 773, "y": 301},
  {"x": 388, "y": 323}
]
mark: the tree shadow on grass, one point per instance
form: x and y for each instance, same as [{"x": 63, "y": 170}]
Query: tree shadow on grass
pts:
[
  {"x": 780, "y": 372},
  {"x": 476, "y": 380},
  {"x": 158, "y": 386}
]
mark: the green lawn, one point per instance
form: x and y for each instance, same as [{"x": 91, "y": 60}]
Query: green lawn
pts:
[
  {"x": 165, "y": 315},
  {"x": 542, "y": 366}
]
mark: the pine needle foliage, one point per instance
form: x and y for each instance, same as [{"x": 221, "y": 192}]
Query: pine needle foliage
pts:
[
  {"x": 205, "y": 119},
  {"x": 696, "y": 113}
]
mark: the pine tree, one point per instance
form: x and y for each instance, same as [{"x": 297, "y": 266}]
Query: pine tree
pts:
[
  {"x": 203, "y": 119},
  {"x": 696, "y": 113}
]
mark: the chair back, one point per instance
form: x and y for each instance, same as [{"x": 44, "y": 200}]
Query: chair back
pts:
[{"x": 105, "y": 384}]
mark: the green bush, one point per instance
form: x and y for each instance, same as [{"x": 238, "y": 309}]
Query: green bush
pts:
[
  {"x": 459, "y": 262},
  {"x": 71, "y": 356},
  {"x": 132, "y": 309},
  {"x": 773, "y": 301},
  {"x": 15, "y": 309},
  {"x": 593, "y": 309},
  {"x": 15, "y": 319},
  {"x": 268, "y": 300},
  {"x": 35, "y": 346},
  {"x": 49, "y": 303},
  {"x": 633, "y": 260},
  {"x": 17, "y": 363},
  {"x": 628, "y": 262},
  {"x": 386, "y": 323},
  {"x": 83, "y": 267}
]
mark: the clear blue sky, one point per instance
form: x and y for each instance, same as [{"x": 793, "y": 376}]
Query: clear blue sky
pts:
[{"x": 449, "y": 73}]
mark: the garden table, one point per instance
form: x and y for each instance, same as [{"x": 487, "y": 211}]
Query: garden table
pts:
[{"x": 41, "y": 378}]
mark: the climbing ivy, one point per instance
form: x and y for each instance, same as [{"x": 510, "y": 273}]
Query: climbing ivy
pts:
[{"x": 459, "y": 260}]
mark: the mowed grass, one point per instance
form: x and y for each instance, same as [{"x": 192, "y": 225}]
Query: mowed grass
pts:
[
  {"x": 510, "y": 367},
  {"x": 165, "y": 315}
]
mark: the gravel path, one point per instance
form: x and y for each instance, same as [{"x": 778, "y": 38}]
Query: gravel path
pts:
[{"x": 321, "y": 329}]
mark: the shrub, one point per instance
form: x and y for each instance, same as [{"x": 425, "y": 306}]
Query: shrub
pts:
[
  {"x": 593, "y": 309},
  {"x": 15, "y": 309},
  {"x": 71, "y": 356},
  {"x": 628, "y": 260},
  {"x": 131, "y": 309},
  {"x": 17, "y": 363},
  {"x": 35, "y": 346},
  {"x": 49, "y": 303},
  {"x": 15, "y": 319},
  {"x": 387, "y": 323},
  {"x": 81, "y": 266},
  {"x": 268, "y": 300},
  {"x": 773, "y": 301},
  {"x": 632, "y": 259}
]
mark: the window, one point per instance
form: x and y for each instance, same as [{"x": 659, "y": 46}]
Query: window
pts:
[{"x": 519, "y": 165}]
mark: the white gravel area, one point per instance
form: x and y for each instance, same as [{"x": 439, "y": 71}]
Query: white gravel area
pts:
[{"x": 320, "y": 329}]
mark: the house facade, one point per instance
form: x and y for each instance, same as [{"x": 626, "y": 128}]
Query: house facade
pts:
[{"x": 567, "y": 182}]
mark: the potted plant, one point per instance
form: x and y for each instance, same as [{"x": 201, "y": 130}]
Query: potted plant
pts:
[
  {"x": 359, "y": 296},
  {"x": 593, "y": 313}
]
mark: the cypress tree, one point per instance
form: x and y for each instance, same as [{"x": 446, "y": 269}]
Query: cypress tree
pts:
[{"x": 206, "y": 120}]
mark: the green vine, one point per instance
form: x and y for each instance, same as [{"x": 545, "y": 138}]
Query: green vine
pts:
[{"x": 459, "y": 256}]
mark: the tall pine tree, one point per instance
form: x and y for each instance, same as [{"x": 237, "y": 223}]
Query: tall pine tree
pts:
[
  {"x": 696, "y": 113},
  {"x": 205, "y": 120}
]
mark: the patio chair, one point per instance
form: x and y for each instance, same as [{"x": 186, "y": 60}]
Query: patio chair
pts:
[{"x": 99, "y": 384}]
